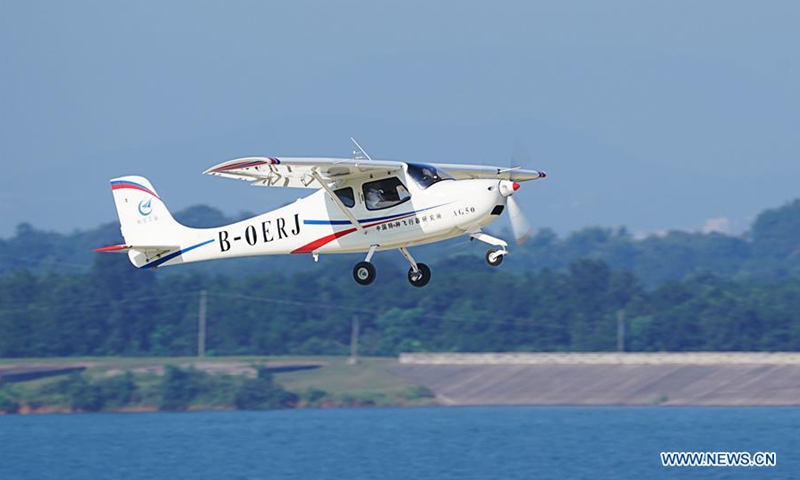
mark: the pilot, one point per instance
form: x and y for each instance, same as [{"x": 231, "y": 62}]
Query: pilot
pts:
[{"x": 375, "y": 198}]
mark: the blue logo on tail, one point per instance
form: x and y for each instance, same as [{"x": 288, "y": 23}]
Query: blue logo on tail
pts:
[{"x": 145, "y": 207}]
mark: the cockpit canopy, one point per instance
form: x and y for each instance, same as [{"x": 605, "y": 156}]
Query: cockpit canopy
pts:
[{"x": 426, "y": 175}]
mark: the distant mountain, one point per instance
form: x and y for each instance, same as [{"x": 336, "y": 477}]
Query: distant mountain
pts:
[{"x": 769, "y": 251}]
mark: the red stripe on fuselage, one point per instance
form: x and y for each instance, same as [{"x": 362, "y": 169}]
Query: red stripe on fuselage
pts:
[{"x": 310, "y": 247}]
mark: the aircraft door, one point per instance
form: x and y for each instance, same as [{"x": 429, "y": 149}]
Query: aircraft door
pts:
[{"x": 384, "y": 193}]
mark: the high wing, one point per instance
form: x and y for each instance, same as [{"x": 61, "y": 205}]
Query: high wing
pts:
[
  {"x": 299, "y": 172},
  {"x": 462, "y": 172}
]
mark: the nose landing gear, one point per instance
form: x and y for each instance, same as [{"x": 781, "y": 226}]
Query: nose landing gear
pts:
[{"x": 494, "y": 256}]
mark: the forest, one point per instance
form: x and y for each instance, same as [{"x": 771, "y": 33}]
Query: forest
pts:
[{"x": 676, "y": 292}]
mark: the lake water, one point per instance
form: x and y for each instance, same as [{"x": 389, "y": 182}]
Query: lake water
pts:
[{"x": 395, "y": 443}]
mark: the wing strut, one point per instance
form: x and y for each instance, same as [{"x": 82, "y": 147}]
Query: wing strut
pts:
[{"x": 338, "y": 202}]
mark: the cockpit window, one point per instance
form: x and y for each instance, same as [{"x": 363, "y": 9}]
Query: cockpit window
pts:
[
  {"x": 426, "y": 175},
  {"x": 385, "y": 193},
  {"x": 346, "y": 196}
]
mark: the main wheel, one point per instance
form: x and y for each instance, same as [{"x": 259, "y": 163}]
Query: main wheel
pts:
[
  {"x": 421, "y": 277},
  {"x": 494, "y": 257},
  {"x": 364, "y": 273}
]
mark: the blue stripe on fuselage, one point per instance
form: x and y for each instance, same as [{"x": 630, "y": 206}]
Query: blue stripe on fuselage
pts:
[
  {"x": 175, "y": 254},
  {"x": 365, "y": 220}
]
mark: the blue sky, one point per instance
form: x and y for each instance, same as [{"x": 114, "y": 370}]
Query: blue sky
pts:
[{"x": 653, "y": 115}]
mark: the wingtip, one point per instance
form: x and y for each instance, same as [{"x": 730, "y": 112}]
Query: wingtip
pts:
[{"x": 241, "y": 163}]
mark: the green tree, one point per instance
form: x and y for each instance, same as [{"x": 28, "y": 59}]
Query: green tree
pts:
[
  {"x": 180, "y": 386},
  {"x": 81, "y": 394},
  {"x": 261, "y": 393},
  {"x": 119, "y": 390},
  {"x": 7, "y": 402}
]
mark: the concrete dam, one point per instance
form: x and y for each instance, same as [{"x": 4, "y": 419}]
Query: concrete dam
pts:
[{"x": 695, "y": 378}]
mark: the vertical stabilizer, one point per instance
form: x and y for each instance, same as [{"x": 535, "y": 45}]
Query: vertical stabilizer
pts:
[
  {"x": 143, "y": 217},
  {"x": 152, "y": 237}
]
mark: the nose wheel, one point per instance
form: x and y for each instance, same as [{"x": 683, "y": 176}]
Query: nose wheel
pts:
[
  {"x": 421, "y": 276},
  {"x": 495, "y": 257}
]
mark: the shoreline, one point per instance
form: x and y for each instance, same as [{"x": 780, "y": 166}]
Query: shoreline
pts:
[{"x": 692, "y": 379}]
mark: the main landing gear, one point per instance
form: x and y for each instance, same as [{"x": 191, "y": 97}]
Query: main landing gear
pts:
[
  {"x": 418, "y": 275},
  {"x": 364, "y": 272},
  {"x": 494, "y": 256}
]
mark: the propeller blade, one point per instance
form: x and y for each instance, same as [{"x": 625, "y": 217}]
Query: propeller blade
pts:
[{"x": 520, "y": 226}]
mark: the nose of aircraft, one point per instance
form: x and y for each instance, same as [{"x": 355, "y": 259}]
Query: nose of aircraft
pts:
[{"x": 507, "y": 187}]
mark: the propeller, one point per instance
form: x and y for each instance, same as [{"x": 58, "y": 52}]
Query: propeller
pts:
[{"x": 520, "y": 226}]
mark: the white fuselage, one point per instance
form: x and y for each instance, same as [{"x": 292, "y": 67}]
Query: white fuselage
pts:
[{"x": 316, "y": 225}]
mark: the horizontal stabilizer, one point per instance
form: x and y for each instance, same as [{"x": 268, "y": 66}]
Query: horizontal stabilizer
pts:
[{"x": 138, "y": 248}]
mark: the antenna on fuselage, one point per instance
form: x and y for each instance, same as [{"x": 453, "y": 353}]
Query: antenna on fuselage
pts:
[{"x": 360, "y": 148}]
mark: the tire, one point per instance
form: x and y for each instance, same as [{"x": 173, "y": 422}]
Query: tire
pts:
[
  {"x": 421, "y": 278},
  {"x": 497, "y": 261},
  {"x": 364, "y": 273}
]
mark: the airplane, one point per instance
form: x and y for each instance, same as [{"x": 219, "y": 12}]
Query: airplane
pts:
[{"x": 360, "y": 205}]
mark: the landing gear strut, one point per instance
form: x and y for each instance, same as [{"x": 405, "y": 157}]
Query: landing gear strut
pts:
[
  {"x": 419, "y": 274},
  {"x": 364, "y": 272}
]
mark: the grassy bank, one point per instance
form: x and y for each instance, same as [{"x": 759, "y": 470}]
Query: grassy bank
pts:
[{"x": 187, "y": 383}]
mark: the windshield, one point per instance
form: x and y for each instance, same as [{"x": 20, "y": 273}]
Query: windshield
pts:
[{"x": 426, "y": 175}]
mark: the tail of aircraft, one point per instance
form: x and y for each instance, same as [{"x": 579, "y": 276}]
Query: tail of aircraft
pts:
[
  {"x": 143, "y": 216},
  {"x": 148, "y": 228}
]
